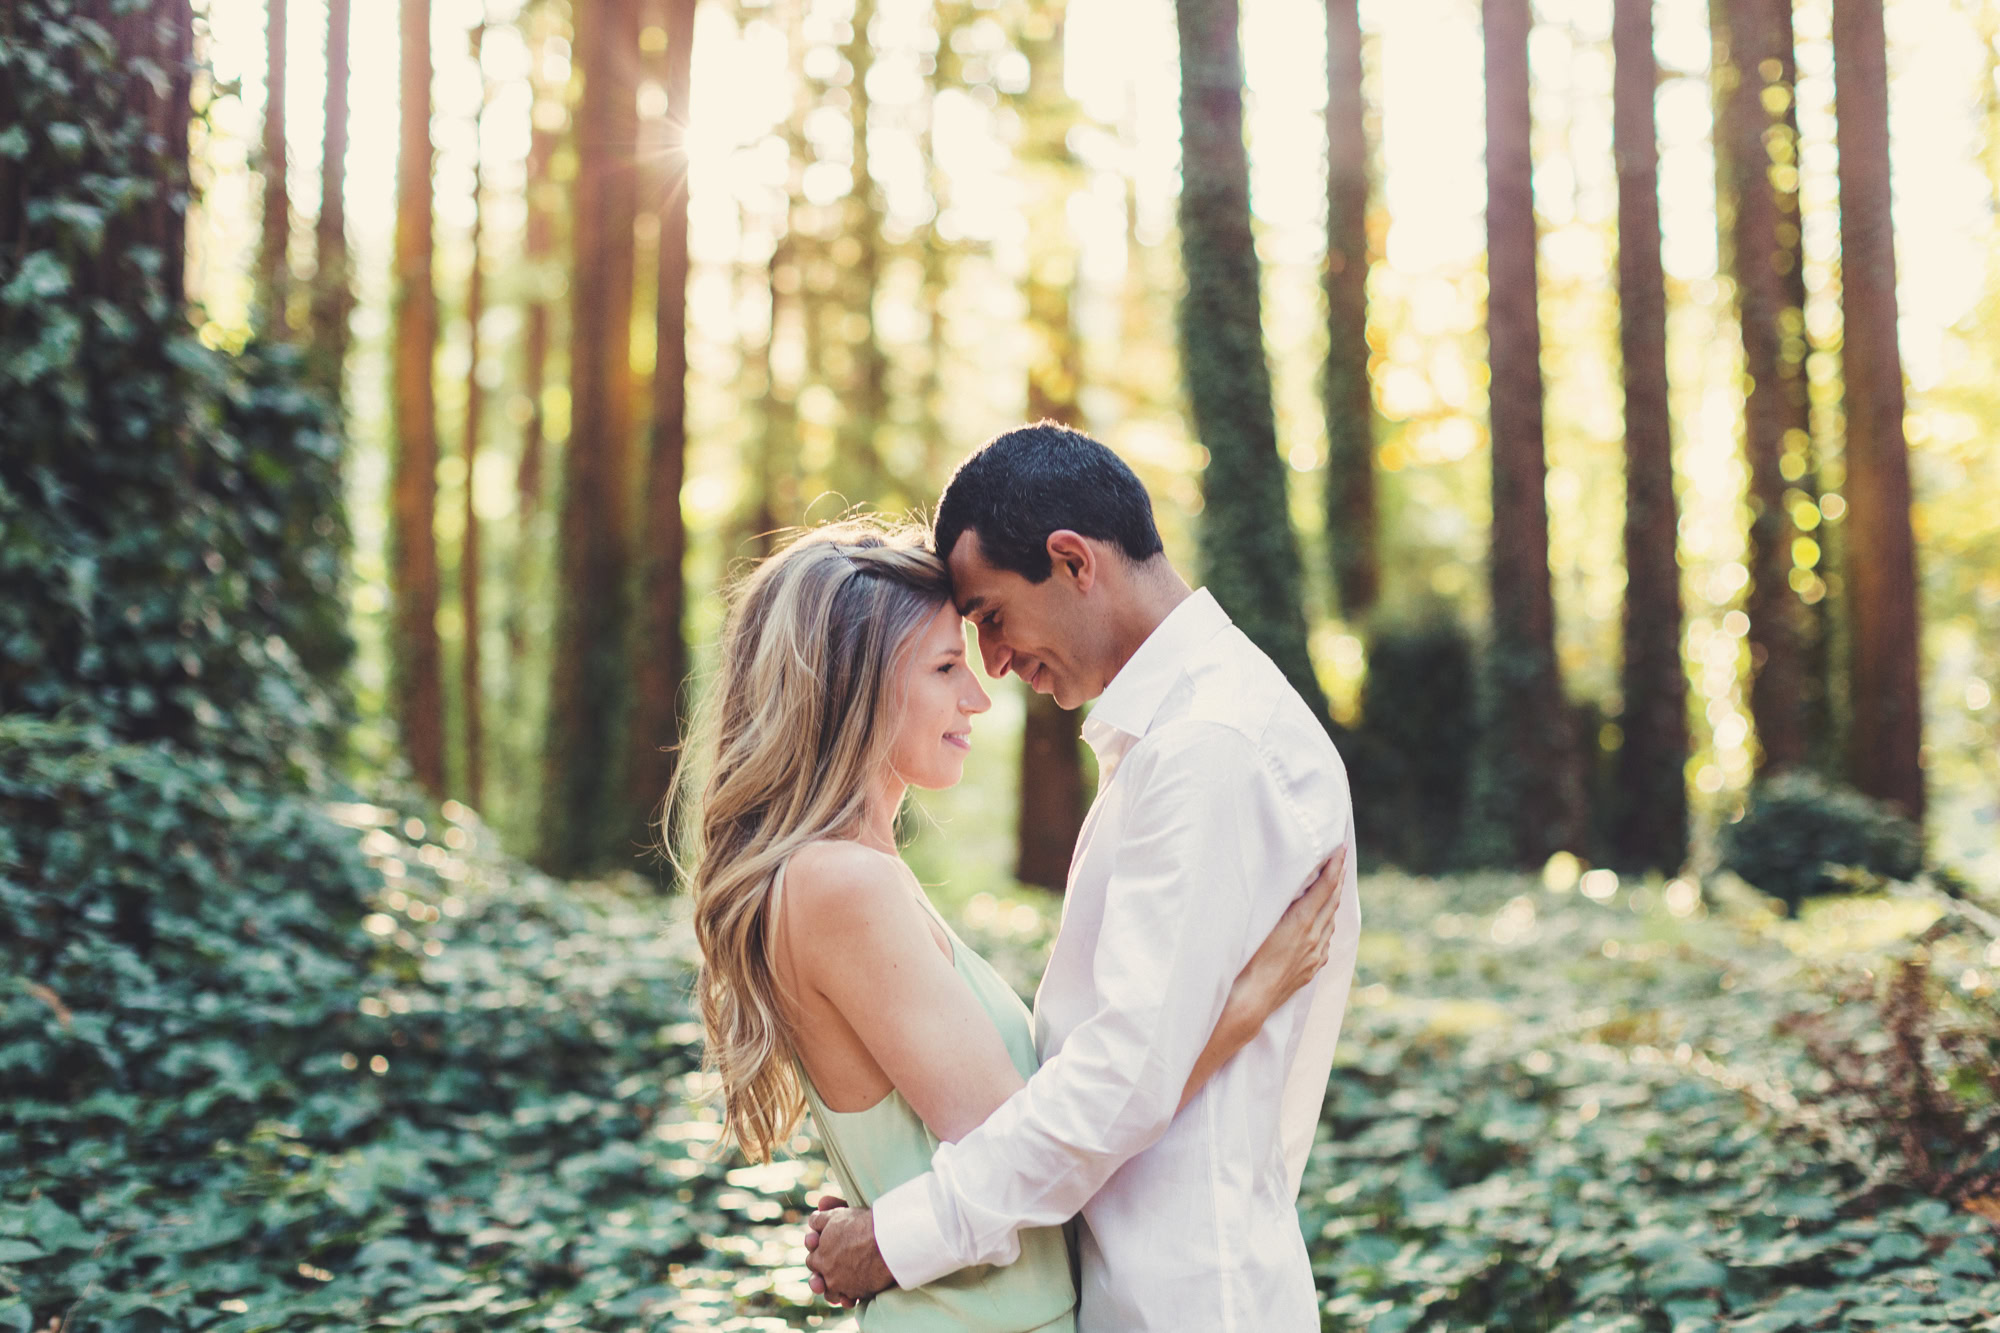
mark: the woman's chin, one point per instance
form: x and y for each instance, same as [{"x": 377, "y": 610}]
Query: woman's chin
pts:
[{"x": 947, "y": 774}]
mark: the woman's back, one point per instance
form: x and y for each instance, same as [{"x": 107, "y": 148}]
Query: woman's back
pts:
[{"x": 878, "y": 1147}]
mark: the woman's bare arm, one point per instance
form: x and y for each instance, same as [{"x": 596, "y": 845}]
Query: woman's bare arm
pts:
[{"x": 873, "y": 958}]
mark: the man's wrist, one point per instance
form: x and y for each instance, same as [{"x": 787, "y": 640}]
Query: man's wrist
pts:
[{"x": 909, "y": 1234}]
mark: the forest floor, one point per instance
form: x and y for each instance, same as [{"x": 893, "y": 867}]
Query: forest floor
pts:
[
  {"x": 1558, "y": 1103},
  {"x": 1551, "y": 1108}
]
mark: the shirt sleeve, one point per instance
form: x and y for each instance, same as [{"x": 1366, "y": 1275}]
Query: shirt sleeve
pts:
[{"x": 1208, "y": 858}]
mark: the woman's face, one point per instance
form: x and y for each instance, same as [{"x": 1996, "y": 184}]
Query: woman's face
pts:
[{"x": 939, "y": 695}]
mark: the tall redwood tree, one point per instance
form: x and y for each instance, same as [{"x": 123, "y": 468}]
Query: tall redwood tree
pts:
[
  {"x": 332, "y": 289},
  {"x": 1350, "y": 404},
  {"x": 273, "y": 272},
  {"x": 659, "y": 662},
  {"x": 417, "y": 687},
  {"x": 1051, "y": 800},
  {"x": 1249, "y": 555},
  {"x": 1886, "y": 760},
  {"x": 472, "y": 714},
  {"x": 1750, "y": 41},
  {"x": 1533, "y": 782},
  {"x": 1651, "y": 828},
  {"x": 584, "y": 744}
]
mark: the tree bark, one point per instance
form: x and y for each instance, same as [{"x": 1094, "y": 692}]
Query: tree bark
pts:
[
  {"x": 1651, "y": 830},
  {"x": 274, "y": 278},
  {"x": 538, "y": 245},
  {"x": 583, "y": 789},
  {"x": 469, "y": 566},
  {"x": 861, "y": 470},
  {"x": 1819, "y": 624},
  {"x": 417, "y": 686},
  {"x": 1539, "y": 792},
  {"x": 144, "y": 133},
  {"x": 1051, "y": 802},
  {"x": 1350, "y": 403},
  {"x": 333, "y": 293},
  {"x": 659, "y": 662},
  {"x": 1886, "y": 761},
  {"x": 1775, "y": 409},
  {"x": 1249, "y": 556}
]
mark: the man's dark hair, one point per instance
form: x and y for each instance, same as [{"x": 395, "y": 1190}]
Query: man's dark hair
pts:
[{"x": 1031, "y": 481}]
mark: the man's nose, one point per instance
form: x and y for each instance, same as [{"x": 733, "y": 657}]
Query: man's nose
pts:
[{"x": 993, "y": 653}]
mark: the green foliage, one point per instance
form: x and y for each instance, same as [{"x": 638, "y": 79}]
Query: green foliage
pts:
[
  {"x": 170, "y": 518},
  {"x": 1922, "y": 1108},
  {"x": 198, "y": 991},
  {"x": 1801, "y": 836},
  {"x": 1526, "y": 1132},
  {"x": 1415, "y": 745}
]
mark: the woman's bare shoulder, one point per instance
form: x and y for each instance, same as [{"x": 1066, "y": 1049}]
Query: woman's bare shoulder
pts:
[{"x": 834, "y": 880}]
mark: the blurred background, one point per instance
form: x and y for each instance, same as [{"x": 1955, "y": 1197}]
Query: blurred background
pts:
[
  {"x": 1586, "y": 403},
  {"x": 880, "y": 234}
]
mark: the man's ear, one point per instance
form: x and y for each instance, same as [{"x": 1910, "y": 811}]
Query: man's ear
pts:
[{"x": 1072, "y": 553}]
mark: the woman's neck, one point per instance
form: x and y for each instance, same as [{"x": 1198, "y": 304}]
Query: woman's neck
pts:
[{"x": 878, "y": 822}]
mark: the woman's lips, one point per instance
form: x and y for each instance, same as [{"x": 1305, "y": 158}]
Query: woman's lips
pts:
[{"x": 960, "y": 740}]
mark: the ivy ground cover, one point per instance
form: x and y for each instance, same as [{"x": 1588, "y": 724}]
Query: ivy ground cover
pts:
[{"x": 1555, "y": 1109}]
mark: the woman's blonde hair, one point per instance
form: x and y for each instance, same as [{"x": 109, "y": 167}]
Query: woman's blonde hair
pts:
[{"x": 794, "y": 732}]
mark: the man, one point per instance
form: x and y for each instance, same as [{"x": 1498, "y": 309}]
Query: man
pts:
[{"x": 1219, "y": 795}]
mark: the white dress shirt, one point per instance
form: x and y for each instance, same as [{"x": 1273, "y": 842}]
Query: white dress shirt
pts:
[{"x": 1219, "y": 795}]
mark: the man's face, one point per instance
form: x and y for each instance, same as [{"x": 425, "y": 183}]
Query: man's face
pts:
[{"x": 1039, "y": 631}]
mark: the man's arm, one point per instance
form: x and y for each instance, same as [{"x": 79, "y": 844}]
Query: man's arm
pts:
[{"x": 1209, "y": 857}]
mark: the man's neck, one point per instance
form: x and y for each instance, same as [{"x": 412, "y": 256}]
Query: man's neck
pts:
[{"x": 1154, "y": 590}]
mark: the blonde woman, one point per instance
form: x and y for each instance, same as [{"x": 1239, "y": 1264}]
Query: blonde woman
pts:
[{"x": 828, "y": 981}]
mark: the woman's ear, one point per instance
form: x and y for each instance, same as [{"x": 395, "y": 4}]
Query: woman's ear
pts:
[{"x": 1073, "y": 553}]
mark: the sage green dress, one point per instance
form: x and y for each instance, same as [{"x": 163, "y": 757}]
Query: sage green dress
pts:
[{"x": 875, "y": 1150}]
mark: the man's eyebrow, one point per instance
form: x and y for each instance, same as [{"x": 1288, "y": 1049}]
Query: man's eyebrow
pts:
[{"x": 971, "y": 605}]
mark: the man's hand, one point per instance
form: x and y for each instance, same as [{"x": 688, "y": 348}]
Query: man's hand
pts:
[{"x": 840, "y": 1243}]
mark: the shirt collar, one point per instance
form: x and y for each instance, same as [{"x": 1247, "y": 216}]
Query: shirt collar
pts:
[{"x": 1141, "y": 685}]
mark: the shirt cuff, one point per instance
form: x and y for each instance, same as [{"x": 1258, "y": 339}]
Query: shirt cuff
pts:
[{"x": 910, "y": 1234}]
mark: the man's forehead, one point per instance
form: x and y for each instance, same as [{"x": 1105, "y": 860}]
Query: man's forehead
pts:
[{"x": 970, "y": 574}]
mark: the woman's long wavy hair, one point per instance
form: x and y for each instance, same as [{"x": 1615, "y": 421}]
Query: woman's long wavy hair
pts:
[{"x": 792, "y": 736}]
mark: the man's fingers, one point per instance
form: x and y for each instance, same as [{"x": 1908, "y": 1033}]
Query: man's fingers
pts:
[
  {"x": 812, "y": 1239},
  {"x": 829, "y": 1202},
  {"x": 818, "y": 1221}
]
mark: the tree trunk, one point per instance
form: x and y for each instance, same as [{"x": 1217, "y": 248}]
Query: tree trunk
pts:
[
  {"x": 1775, "y": 410},
  {"x": 145, "y": 135},
  {"x": 1249, "y": 557},
  {"x": 1051, "y": 797},
  {"x": 333, "y": 294},
  {"x": 1886, "y": 760},
  {"x": 538, "y": 245},
  {"x": 274, "y": 277},
  {"x": 418, "y": 689},
  {"x": 861, "y": 470},
  {"x": 659, "y": 662},
  {"x": 475, "y": 403},
  {"x": 1539, "y": 791},
  {"x": 582, "y": 791},
  {"x": 1818, "y": 623},
  {"x": 1651, "y": 829},
  {"x": 1350, "y": 405}
]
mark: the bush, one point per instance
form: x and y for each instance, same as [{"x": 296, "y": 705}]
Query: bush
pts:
[
  {"x": 1414, "y": 749},
  {"x": 1802, "y": 837}
]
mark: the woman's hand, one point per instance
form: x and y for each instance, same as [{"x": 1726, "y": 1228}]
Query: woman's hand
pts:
[
  {"x": 1290, "y": 956},
  {"x": 1297, "y": 947}
]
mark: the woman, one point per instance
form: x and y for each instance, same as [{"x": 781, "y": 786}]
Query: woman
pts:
[{"x": 828, "y": 981}]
